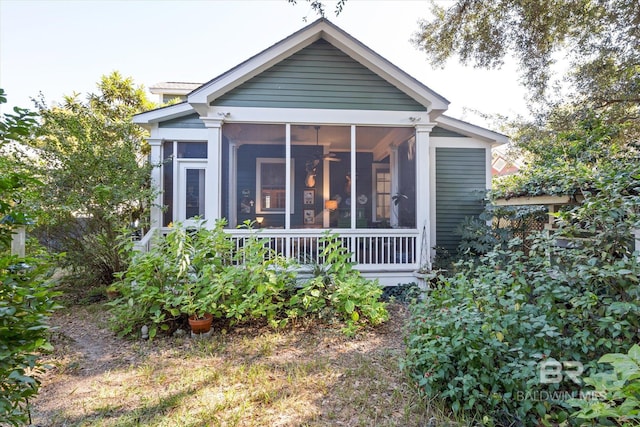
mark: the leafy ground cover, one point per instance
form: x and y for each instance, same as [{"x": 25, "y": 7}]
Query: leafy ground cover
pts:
[{"x": 250, "y": 376}]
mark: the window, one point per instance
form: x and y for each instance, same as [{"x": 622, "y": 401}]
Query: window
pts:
[
  {"x": 382, "y": 185},
  {"x": 271, "y": 185}
]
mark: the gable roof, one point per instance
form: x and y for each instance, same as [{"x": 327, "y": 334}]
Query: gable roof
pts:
[
  {"x": 201, "y": 97},
  {"x": 468, "y": 129},
  {"x": 320, "y": 29}
]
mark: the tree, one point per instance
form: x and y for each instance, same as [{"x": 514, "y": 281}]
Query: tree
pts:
[
  {"x": 25, "y": 299},
  {"x": 600, "y": 37},
  {"x": 93, "y": 160}
]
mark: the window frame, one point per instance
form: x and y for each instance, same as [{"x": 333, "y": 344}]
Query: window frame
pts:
[{"x": 274, "y": 160}]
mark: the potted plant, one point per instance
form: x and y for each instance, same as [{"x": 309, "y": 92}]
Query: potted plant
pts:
[
  {"x": 112, "y": 292},
  {"x": 197, "y": 304}
]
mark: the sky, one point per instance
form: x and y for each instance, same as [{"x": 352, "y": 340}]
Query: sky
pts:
[{"x": 62, "y": 47}]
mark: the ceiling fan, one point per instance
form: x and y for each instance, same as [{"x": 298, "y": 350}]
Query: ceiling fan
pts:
[{"x": 331, "y": 157}]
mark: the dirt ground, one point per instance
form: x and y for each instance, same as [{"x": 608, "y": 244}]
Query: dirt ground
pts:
[{"x": 323, "y": 378}]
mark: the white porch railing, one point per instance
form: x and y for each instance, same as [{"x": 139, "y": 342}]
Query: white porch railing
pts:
[
  {"x": 144, "y": 244},
  {"x": 371, "y": 249}
]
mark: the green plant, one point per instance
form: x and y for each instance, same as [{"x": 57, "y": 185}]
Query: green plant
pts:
[
  {"x": 195, "y": 271},
  {"x": 615, "y": 395},
  {"x": 477, "y": 340},
  {"x": 256, "y": 284},
  {"x": 26, "y": 298},
  {"x": 91, "y": 194},
  {"x": 26, "y": 301},
  {"x": 337, "y": 289}
]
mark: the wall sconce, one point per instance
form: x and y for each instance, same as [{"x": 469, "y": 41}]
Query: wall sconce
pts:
[
  {"x": 331, "y": 205},
  {"x": 259, "y": 220}
]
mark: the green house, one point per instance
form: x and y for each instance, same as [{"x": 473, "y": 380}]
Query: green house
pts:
[{"x": 319, "y": 132}]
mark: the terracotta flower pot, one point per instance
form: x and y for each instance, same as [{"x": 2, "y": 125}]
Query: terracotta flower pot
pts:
[{"x": 201, "y": 325}]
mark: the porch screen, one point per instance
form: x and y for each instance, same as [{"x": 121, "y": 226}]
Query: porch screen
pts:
[{"x": 253, "y": 174}]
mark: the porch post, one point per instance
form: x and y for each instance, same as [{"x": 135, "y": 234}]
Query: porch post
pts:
[
  {"x": 233, "y": 204},
  {"x": 395, "y": 186},
  {"x": 155, "y": 158},
  {"x": 213, "y": 178},
  {"x": 423, "y": 194}
]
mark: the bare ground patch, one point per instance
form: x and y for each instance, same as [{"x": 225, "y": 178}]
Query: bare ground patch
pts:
[{"x": 306, "y": 375}]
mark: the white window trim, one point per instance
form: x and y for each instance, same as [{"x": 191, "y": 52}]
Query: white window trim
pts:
[
  {"x": 374, "y": 186},
  {"x": 258, "y": 198}
]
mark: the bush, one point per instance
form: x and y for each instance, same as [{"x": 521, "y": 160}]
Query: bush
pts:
[
  {"x": 25, "y": 303},
  {"x": 615, "y": 395},
  {"x": 256, "y": 285},
  {"x": 478, "y": 340},
  {"x": 201, "y": 270},
  {"x": 337, "y": 290}
]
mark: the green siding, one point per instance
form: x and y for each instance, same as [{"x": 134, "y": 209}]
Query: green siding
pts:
[
  {"x": 319, "y": 76},
  {"x": 191, "y": 121},
  {"x": 460, "y": 186},
  {"x": 438, "y": 131}
]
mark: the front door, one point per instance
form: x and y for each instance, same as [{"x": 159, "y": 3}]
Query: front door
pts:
[{"x": 191, "y": 193}]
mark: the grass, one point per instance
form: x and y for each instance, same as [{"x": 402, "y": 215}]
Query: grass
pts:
[{"x": 306, "y": 375}]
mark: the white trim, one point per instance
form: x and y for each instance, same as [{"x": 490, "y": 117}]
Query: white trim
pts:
[
  {"x": 288, "y": 183},
  {"x": 375, "y": 168},
  {"x": 455, "y": 142},
  {"x": 354, "y": 177},
  {"x": 156, "y": 158},
  {"x": 394, "y": 219},
  {"x": 163, "y": 114},
  {"x": 307, "y": 116},
  {"x": 423, "y": 176},
  {"x": 468, "y": 129},
  {"x": 233, "y": 185},
  {"x": 303, "y": 38},
  {"x": 433, "y": 220},
  {"x": 174, "y": 205},
  {"x": 214, "y": 175},
  {"x": 488, "y": 169},
  {"x": 180, "y": 134},
  {"x": 183, "y": 166}
]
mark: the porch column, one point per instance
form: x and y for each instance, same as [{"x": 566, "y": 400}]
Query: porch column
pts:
[
  {"x": 423, "y": 195},
  {"x": 213, "y": 177},
  {"x": 395, "y": 186},
  {"x": 233, "y": 204},
  {"x": 155, "y": 158}
]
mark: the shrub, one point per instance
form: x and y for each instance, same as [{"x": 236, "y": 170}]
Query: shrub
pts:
[
  {"x": 255, "y": 285},
  {"x": 615, "y": 395},
  {"x": 26, "y": 301},
  {"x": 201, "y": 269},
  {"x": 169, "y": 280},
  {"x": 338, "y": 290},
  {"x": 478, "y": 340}
]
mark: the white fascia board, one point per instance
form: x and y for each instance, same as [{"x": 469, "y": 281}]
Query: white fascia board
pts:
[
  {"x": 473, "y": 131},
  {"x": 179, "y": 134},
  {"x": 327, "y": 117},
  {"x": 453, "y": 142},
  {"x": 385, "y": 69},
  {"x": 162, "y": 114},
  {"x": 298, "y": 41},
  {"x": 253, "y": 66}
]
